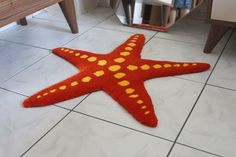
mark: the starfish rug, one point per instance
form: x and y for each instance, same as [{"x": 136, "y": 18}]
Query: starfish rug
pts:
[{"x": 121, "y": 74}]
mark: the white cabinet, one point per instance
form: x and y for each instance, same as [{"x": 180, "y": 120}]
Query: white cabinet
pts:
[
  {"x": 224, "y": 10},
  {"x": 222, "y": 16}
]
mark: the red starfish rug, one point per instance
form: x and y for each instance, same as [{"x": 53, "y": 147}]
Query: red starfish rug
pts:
[{"x": 121, "y": 74}]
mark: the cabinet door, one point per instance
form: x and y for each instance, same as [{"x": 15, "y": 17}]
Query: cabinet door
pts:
[{"x": 224, "y": 10}]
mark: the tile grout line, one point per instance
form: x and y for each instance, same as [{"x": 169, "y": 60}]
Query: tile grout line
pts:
[
  {"x": 48, "y": 20},
  {"x": 201, "y": 150},
  {"x": 22, "y": 44},
  {"x": 110, "y": 29},
  {"x": 45, "y": 134},
  {"x": 123, "y": 126},
  {"x": 24, "y": 69},
  {"x": 81, "y": 101},
  {"x": 74, "y": 106},
  {"x": 234, "y": 90},
  {"x": 13, "y": 92},
  {"x": 181, "y": 78},
  {"x": 187, "y": 42},
  {"x": 87, "y": 30},
  {"x": 153, "y": 36},
  {"x": 37, "y": 141},
  {"x": 185, "y": 122}
]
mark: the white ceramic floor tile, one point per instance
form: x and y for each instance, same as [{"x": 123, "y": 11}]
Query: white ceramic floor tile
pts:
[
  {"x": 187, "y": 30},
  {"x": 172, "y": 99},
  {"x": 13, "y": 29},
  {"x": 162, "y": 49},
  {"x": 232, "y": 41},
  {"x": 43, "y": 33},
  {"x": 224, "y": 74},
  {"x": 20, "y": 128},
  {"x": 102, "y": 12},
  {"x": 182, "y": 151},
  {"x": 197, "y": 15},
  {"x": 79, "y": 135},
  {"x": 100, "y": 41},
  {"x": 48, "y": 71},
  {"x": 53, "y": 9},
  {"x": 114, "y": 24},
  {"x": 15, "y": 58},
  {"x": 212, "y": 126},
  {"x": 99, "y": 14}
]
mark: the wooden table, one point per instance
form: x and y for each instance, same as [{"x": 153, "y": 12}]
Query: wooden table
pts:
[{"x": 17, "y": 10}]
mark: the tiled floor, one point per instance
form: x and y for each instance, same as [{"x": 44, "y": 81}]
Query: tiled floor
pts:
[{"x": 196, "y": 112}]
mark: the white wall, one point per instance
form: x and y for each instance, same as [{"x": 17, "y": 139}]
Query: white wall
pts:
[
  {"x": 83, "y": 6},
  {"x": 104, "y": 3}
]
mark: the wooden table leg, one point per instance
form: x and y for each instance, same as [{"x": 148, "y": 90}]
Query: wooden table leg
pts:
[
  {"x": 22, "y": 22},
  {"x": 68, "y": 9},
  {"x": 214, "y": 36}
]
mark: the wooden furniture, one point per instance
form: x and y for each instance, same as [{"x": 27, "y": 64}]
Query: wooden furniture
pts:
[
  {"x": 222, "y": 16},
  {"x": 17, "y": 10}
]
